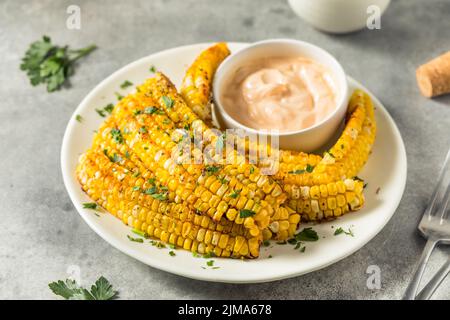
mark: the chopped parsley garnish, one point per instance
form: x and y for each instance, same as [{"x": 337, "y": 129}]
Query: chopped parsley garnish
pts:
[
  {"x": 223, "y": 180},
  {"x": 151, "y": 180},
  {"x": 90, "y": 205},
  {"x": 210, "y": 263},
  {"x": 116, "y": 158},
  {"x": 252, "y": 169},
  {"x": 153, "y": 110},
  {"x": 158, "y": 244},
  {"x": 143, "y": 130},
  {"x": 339, "y": 231},
  {"x": 152, "y": 69},
  {"x": 136, "y": 188},
  {"x": 140, "y": 240},
  {"x": 109, "y": 108},
  {"x": 235, "y": 194},
  {"x": 69, "y": 289},
  {"x": 172, "y": 254},
  {"x": 126, "y": 84},
  {"x": 151, "y": 190},
  {"x": 292, "y": 241},
  {"x": 168, "y": 102},
  {"x": 159, "y": 196},
  {"x": 50, "y": 64},
  {"x": 117, "y": 135},
  {"x": 358, "y": 178},
  {"x": 209, "y": 255},
  {"x": 307, "y": 234},
  {"x": 136, "y": 174},
  {"x": 245, "y": 213},
  {"x": 137, "y": 112},
  {"x": 309, "y": 168},
  {"x": 266, "y": 243},
  {"x": 140, "y": 233},
  {"x": 210, "y": 170},
  {"x": 79, "y": 118},
  {"x": 270, "y": 256},
  {"x": 101, "y": 112},
  {"x": 118, "y": 95},
  {"x": 127, "y": 154}
]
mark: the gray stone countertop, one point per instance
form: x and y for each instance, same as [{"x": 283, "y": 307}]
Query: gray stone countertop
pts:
[{"x": 42, "y": 234}]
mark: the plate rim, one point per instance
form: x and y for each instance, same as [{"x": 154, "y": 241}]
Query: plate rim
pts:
[{"x": 161, "y": 265}]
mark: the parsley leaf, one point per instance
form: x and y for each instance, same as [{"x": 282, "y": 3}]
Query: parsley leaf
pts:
[
  {"x": 101, "y": 112},
  {"x": 245, "y": 213},
  {"x": 103, "y": 290},
  {"x": 172, "y": 254},
  {"x": 126, "y": 84},
  {"x": 235, "y": 194},
  {"x": 109, "y": 108},
  {"x": 307, "y": 234},
  {"x": 69, "y": 289},
  {"x": 210, "y": 263},
  {"x": 340, "y": 230},
  {"x": 159, "y": 196},
  {"x": 210, "y": 170},
  {"x": 168, "y": 101},
  {"x": 309, "y": 168},
  {"x": 118, "y": 95},
  {"x": 49, "y": 64},
  {"x": 90, "y": 205},
  {"x": 140, "y": 240},
  {"x": 152, "y": 69},
  {"x": 117, "y": 135},
  {"x": 116, "y": 158}
]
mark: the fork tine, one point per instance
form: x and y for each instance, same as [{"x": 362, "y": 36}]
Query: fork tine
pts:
[
  {"x": 444, "y": 204},
  {"x": 437, "y": 197}
]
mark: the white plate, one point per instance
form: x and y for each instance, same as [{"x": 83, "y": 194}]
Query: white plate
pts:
[{"x": 386, "y": 169}]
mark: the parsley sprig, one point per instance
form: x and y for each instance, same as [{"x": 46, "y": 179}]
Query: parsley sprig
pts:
[
  {"x": 70, "y": 290},
  {"x": 50, "y": 64}
]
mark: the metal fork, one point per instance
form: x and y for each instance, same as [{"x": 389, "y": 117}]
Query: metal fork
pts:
[{"x": 435, "y": 226}]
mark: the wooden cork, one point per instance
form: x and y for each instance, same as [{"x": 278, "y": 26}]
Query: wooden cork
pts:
[{"x": 433, "y": 77}]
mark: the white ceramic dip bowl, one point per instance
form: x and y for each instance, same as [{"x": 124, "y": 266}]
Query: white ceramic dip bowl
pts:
[{"x": 308, "y": 139}]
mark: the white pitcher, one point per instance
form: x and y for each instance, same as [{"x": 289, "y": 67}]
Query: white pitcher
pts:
[{"x": 337, "y": 16}]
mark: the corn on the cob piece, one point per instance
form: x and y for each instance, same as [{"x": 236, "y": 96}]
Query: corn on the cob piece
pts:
[
  {"x": 347, "y": 157},
  {"x": 205, "y": 192},
  {"x": 326, "y": 201},
  {"x": 105, "y": 142},
  {"x": 160, "y": 88},
  {"x": 196, "y": 87},
  {"x": 111, "y": 186}
]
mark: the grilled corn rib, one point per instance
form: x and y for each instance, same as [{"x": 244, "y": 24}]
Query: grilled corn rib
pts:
[
  {"x": 327, "y": 200},
  {"x": 196, "y": 88},
  {"x": 142, "y": 179},
  {"x": 206, "y": 192},
  {"x": 109, "y": 185}
]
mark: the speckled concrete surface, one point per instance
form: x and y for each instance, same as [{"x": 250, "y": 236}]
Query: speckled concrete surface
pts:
[{"x": 42, "y": 234}]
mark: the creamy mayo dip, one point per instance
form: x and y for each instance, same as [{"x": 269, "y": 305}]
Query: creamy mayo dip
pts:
[{"x": 284, "y": 93}]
